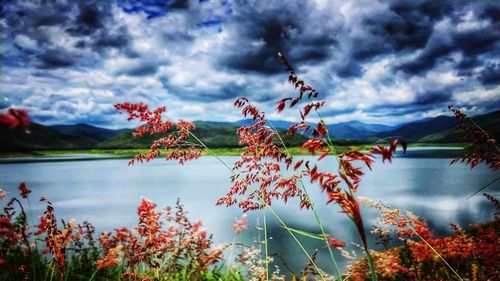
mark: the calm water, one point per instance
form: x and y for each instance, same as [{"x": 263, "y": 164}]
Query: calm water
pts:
[{"x": 107, "y": 193}]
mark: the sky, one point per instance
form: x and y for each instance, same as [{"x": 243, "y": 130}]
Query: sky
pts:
[{"x": 383, "y": 62}]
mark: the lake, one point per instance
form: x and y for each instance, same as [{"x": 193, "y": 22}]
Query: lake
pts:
[{"x": 107, "y": 193}]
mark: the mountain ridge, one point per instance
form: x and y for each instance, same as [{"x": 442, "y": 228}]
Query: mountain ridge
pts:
[{"x": 438, "y": 129}]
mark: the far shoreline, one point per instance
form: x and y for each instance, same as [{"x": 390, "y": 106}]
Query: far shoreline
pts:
[{"x": 107, "y": 154}]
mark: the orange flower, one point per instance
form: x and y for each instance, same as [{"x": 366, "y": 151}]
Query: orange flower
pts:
[{"x": 111, "y": 258}]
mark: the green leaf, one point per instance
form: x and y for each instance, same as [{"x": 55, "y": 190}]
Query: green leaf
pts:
[{"x": 305, "y": 233}]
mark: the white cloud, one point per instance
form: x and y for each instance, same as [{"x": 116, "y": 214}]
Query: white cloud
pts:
[{"x": 176, "y": 61}]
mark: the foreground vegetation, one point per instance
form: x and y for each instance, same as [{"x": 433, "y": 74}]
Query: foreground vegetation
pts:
[{"x": 167, "y": 245}]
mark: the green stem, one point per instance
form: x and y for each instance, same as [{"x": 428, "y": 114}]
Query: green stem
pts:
[
  {"x": 265, "y": 244},
  {"x": 483, "y": 188},
  {"x": 436, "y": 252},
  {"x": 267, "y": 206},
  {"x": 329, "y": 140},
  {"x": 323, "y": 232},
  {"x": 52, "y": 272},
  {"x": 316, "y": 214},
  {"x": 371, "y": 265},
  {"x": 93, "y": 275}
]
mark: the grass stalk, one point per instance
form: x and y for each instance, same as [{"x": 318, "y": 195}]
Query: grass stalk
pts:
[
  {"x": 93, "y": 275},
  {"x": 280, "y": 220},
  {"x": 316, "y": 214},
  {"x": 362, "y": 234},
  {"x": 483, "y": 188},
  {"x": 265, "y": 244},
  {"x": 436, "y": 252}
]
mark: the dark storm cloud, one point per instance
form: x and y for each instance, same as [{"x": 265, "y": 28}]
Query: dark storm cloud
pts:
[
  {"x": 55, "y": 58},
  {"x": 225, "y": 92},
  {"x": 92, "y": 21},
  {"x": 433, "y": 98},
  {"x": 404, "y": 27},
  {"x": 264, "y": 30},
  {"x": 117, "y": 39},
  {"x": 428, "y": 59},
  {"x": 401, "y": 110},
  {"x": 470, "y": 43},
  {"x": 491, "y": 74},
  {"x": 90, "y": 18},
  {"x": 143, "y": 68},
  {"x": 475, "y": 45}
]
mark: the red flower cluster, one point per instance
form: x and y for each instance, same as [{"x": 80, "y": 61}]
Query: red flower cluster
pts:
[
  {"x": 25, "y": 191},
  {"x": 257, "y": 174},
  {"x": 335, "y": 243},
  {"x": 417, "y": 260},
  {"x": 15, "y": 118},
  {"x": 240, "y": 224},
  {"x": 165, "y": 249},
  {"x": 15, "y": 233},
  {"x": 388, "y": 152},
  {"x": 56, "y": 240},
  {"x": 483, "y": 148},
  {"x": 174, "y": 140},
  {"x": 464, "y": 251}
]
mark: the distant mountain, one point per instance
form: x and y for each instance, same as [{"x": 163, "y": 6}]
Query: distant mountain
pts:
[
  {"x": 213, "y": 134},
  {"x": 57, "y": 137},
  {"x": 414, "y": 131},
  {"x": 40, "y": 138},
  {"x": 346, "y": 130},
  {"x": 356, "y": 130},
  {"x": 439, "y": 129},
  {"x": 488, "y": 122},
  {"x": 213, "y": 124},
  {"x": 87, "y": 131}
]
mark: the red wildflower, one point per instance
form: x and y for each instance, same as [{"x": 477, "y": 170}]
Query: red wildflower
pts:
[
  {"x": 257, "y": 174},
  {"x": 320, "y": 131},
  {"x": 24, "y": 190},
  {"x": 152, "y": 243},
  {"x": 14, "y": 118},
  {"x": 7, "y": 228},
  {"x": 384, "y": 151},
  {"x": 240, "y": 224},
  {"x": 3, "y": 194},
  {"x": 292, "y": 130},
  {"x": 176, "y": 142},
  {"x": 282, "y": 104},
  {"x": 56, "y": 239},
  {"x": 111, "y": 258},
  {"x": 335, "y": 243},
  {"x": 314, "y": 145},
  {"x": 483, "y": 147}
]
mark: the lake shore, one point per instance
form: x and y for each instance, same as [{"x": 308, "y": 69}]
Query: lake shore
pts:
[{"x": 440, "y": 151}]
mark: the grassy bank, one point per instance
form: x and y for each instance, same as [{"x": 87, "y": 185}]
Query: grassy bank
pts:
[{"x": 125, "y": 153}]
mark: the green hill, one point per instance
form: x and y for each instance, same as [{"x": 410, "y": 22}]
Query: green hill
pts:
[
  {"x": 87, "y": 131},
  {"x": 440, "y": 129},
  {"x": 488, "y": 122},
  {"x": 40, "y": 138},
  {"x": 417, "y": 130},
  {"x": 212, "y": 136}
]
